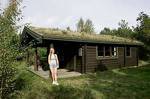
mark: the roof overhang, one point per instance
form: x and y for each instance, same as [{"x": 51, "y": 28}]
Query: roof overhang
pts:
[{"x": 30, "y": 36}]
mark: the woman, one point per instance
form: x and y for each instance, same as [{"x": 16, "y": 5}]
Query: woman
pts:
[{"x": 53, "y": 64}]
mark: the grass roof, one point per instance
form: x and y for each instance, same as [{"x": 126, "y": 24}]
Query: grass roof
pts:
[{"x": 48, "y": 33}]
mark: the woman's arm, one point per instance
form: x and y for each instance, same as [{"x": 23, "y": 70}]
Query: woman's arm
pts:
[
  {"x": 48, "y": 59},
  {"x": 57, "y": 59}
]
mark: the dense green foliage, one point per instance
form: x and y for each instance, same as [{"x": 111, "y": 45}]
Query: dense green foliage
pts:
[
  {"x": 143, "y": 34},
  {"x": 86, "y": 26},
  {"x": 8, "y": 48},
  {"x": 143, "y": 28},
  {"x": 123, "y": 30}
]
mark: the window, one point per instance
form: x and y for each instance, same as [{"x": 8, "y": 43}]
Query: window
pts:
[
  {"x": 114, "y": 51},
  {"x": 107, "y": 50},
  {"x": 128, "y": 51},
  {"x": 100, "y": 50}
]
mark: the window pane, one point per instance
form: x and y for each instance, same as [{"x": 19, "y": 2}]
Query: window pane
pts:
[
  {"x": 107, "y": 51},
  {"x": 128, "y": 53},
  {"x": 100, "y": 54},
  {"x": 100, "y": 50}
]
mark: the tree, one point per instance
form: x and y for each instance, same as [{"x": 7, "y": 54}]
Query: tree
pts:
[
  {"x": 68, "y": 28},
  {"x": 143, "y": 34},
  {"x": 80, "y": 25},
  {"x": 124, "y": 30},
  {"x": 123, "y": 24},
  {"x": 106, "y": 31},
  {"x": 88, "y": 27},
  {"x": 143, "y": 28},
  {"x": 8, "y": 47}
]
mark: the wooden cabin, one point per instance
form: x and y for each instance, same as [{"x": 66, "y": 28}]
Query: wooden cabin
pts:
[{"x": 83, "y": 52}]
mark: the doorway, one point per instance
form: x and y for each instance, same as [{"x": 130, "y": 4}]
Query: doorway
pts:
[{"x": 67, "y": 55}]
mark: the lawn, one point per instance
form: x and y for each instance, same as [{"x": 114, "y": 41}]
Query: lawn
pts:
[{"x": 127, "y": 83}]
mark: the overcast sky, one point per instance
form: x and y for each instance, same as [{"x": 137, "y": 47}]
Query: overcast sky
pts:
[{"x": 63, "y": 13}]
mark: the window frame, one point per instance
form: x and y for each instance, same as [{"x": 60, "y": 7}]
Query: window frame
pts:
[
  {"x": 107, "y": 57},
  {"x": 114, "y": 51}
]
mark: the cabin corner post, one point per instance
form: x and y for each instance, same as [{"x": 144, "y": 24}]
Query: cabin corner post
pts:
[
  {"x": 84, "y": 58},
  {"x": 74, "y": 62},
  {"x": 36, "y": 60},
  {"x": 124, "y": 51}
]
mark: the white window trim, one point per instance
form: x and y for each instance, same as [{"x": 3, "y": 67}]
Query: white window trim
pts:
[
  {"x": 114, "y": 51},
  {"x": 106, "y": 57}
]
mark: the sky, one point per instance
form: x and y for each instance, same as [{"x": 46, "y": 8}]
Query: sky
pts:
[{"x": 64, "y": 13}]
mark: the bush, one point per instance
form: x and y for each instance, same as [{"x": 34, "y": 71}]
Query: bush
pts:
[
  {"x": 44, "y": 63},
  {"x": 42, "y": 52}
]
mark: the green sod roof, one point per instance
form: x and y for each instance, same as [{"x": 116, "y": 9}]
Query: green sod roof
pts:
[{"x": 48, "y": 33}]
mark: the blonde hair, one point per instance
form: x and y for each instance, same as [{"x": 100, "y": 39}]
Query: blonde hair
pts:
[{"x": 51, "y": 50}]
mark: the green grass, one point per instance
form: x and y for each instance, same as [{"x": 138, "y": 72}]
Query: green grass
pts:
[{"x": 129, "y": 83}]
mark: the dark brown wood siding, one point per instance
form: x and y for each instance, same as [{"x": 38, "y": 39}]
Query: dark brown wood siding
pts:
[
  {"x": 131, "y": 60},
  {"x": 93, "y": 63},
  {"x": 91, "y": 59},
  {"x": 120, "y": 58}
]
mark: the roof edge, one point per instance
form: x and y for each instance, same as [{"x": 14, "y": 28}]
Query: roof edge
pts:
[{"x": 40, "y": 38}]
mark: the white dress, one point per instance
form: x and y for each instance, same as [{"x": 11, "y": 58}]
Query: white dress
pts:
[{"x": 53, "y": 61}]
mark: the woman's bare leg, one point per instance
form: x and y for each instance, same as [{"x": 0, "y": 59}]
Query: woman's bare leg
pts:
[
  {"x": 52, "y": 74},
  {"x": 55, "y": 74}
]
